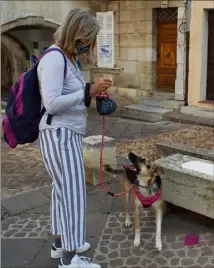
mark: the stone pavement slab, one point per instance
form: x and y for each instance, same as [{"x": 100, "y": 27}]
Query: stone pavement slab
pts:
[
  {"x": 3, "y": 212},
  {"x": 44, "y": 209},
  {"x": 19, "y": 253},
  {"x": 22, "y": 202},
  {"x": 42, "y": 258},
  {"x": 46, "y": 190},
  {"x": 100, "y": 202}
]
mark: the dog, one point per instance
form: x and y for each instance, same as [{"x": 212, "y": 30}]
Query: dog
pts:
[{"x": 147, "y": 192}]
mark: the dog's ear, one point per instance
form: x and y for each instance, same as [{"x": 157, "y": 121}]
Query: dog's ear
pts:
[
  {"x": 135, "y": 161},
  {"x": 157, "y": 169}
]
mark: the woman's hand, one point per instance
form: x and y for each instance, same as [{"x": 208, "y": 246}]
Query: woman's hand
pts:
[{"x": 100, "y": 85}]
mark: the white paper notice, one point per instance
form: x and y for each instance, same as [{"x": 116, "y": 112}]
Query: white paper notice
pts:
[
  {"x": 105, "y": 51},
  {"x": 200, "y": 166}
]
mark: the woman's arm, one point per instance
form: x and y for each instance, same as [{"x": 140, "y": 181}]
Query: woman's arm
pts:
[{"x": 52, "y": 80}]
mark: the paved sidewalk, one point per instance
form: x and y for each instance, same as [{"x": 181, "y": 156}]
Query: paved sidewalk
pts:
[{"x": 26, "y": 240}]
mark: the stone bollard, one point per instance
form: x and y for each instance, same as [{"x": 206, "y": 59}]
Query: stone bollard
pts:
[{"x": 91, "y": 156}]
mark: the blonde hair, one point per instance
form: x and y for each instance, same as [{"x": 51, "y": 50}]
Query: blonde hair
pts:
[{"x": 80, "y": 23}]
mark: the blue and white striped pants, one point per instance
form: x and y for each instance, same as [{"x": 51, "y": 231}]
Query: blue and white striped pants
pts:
[{"x": 62, "y": 154}]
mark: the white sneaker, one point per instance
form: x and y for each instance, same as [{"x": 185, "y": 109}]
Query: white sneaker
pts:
[
  {"x": 56, "y": 253},
  {"x": 80, "y": 262}
]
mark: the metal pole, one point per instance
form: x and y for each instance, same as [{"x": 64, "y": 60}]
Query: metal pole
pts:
[{"x": 188, "y": 18}]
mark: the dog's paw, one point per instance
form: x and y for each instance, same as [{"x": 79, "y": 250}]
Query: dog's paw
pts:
[
  {"x": 128, "y": 223},
  {"x": 137, "y": 242},
  {"x": 159, "y": 245}
]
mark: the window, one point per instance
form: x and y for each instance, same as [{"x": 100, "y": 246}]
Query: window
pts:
[{"x": 105, "y": 40}]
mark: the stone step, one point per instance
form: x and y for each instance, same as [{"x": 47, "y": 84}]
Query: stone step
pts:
[
  {"x": 161, "y": 103},
  {"x": 188, "y": 182},
  {"x": 151, "y": 101},
  {"x": 198, "y": 111},
  {"x": 163, "y": 95},
  {"x": 172, "y": 104},
  {"x": 178, "y": 117},
  {"x": 144, "y": 113},
  {"x": 166, "y": 148}
]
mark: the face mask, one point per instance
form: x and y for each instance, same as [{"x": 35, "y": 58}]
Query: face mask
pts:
[{"x": 81, "y": 48}]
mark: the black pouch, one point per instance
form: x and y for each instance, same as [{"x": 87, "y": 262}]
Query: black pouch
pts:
[{"x": 105, "y": 105}]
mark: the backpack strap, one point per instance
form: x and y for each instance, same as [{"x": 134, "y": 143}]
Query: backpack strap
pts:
[
  {"x": 59, "y": 50},
  {"x": 49, "y": 117}
]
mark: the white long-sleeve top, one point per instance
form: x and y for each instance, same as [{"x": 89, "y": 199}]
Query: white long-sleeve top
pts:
[{"x": 63, "y": 97}]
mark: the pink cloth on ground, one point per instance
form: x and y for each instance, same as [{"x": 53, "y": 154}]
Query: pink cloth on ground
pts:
[{"x": 191, "y": 239}]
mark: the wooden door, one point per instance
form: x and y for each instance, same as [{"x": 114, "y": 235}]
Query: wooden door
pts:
[
  {"x": 166, "y": 56},
  {"x": 210, "y": 58}
]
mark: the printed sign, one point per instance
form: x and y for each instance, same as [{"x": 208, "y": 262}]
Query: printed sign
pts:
[{"x": 105, "y": 51}]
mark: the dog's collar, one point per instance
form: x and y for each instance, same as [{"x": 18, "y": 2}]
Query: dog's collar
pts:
[{"x": 151, "y": 188}]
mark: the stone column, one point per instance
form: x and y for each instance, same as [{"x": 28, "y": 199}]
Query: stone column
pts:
[{"x": 180, "y": 75}]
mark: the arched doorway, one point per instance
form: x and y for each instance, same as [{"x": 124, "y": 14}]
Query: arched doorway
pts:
[
  {"x": 20, "y": 39},
  {"x": 13, "y": 62}
]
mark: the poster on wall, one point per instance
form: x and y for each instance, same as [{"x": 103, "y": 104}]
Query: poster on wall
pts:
[{"x": 105, "y": 51}]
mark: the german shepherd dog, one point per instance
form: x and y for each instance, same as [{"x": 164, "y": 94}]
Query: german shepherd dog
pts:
[{"x": 147, "y": 192}]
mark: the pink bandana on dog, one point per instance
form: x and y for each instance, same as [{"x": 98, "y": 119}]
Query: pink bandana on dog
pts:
[{"x": 148, "y": 201}]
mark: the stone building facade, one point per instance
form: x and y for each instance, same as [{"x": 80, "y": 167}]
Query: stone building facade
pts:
[
  {"x": 136, "y": 48},
  {"x": 144, "y": 62},
  {"x": 201, "y": 66}
]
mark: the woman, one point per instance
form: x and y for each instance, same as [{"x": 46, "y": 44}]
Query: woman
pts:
[{"x": 65, "y": 95}]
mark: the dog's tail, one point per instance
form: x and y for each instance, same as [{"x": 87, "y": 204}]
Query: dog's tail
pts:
[{"x": 111, "y": 170}]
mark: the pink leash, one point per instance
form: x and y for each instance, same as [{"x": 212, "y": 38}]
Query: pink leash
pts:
[
  {"x": 144, "y": 200},
  {"x": 101, "y": 159}
]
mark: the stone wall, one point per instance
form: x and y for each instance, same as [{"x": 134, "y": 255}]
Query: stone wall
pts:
[
  {"x": 50, "y": 10},
  {"x": 133, "y": 44}
]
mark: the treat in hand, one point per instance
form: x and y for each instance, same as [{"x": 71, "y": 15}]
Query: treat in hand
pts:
[{"x": 101, "y": 85}]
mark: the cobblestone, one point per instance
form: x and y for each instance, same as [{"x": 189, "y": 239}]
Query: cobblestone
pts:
[
  {"x": 122, "y": 253},
  {"x": 33, "y": 226}
]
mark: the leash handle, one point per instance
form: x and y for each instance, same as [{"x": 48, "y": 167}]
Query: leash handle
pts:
[
  {"x": 101, "y": 166},
  {"x": 102, "y": 95}
]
